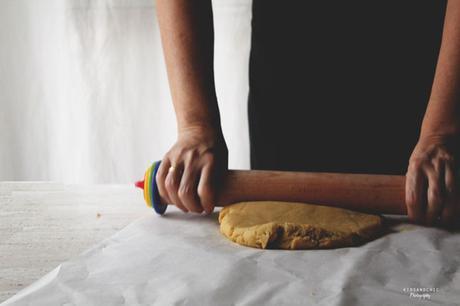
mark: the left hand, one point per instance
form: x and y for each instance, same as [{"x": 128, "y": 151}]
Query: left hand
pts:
[{"x": 432, "y": 182}]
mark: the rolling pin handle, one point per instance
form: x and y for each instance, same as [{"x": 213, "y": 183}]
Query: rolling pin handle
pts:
[
  {"x": 153, "y": 194},
  {"x": 139, "y": 184}
]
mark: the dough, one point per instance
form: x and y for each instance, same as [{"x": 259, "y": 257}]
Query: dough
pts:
[{"x": 283, "y": 225}]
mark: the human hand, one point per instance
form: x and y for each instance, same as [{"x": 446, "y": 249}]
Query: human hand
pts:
[
  {"x": 432, "y": 182},
  {"x": 189, "y": 171}
]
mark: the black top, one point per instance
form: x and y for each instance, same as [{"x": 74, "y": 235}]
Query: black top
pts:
[{"x": 340, "y": 86}]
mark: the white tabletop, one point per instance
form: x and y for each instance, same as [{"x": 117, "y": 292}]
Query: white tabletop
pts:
[{"x": 43, "y": 224}]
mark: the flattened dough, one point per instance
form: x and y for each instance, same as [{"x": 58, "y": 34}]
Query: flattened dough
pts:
[{"x": 294, "y": 226}]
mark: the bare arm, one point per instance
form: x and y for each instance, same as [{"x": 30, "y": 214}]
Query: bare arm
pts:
[
  {"x": 443, "y": 112},
  {"x": 188, "y": 41},
  {"x": 432, "y": 178},
  {"x": 200, "y": 152}
]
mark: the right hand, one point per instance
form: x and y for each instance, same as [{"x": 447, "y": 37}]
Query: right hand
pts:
[{"x": 190, "y": 170}]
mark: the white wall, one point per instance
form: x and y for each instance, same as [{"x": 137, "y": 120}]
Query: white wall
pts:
[{"x": 83, "y": 89}]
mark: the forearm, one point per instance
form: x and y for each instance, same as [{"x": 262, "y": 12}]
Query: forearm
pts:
[
  {"x": 188, "y": 41},
  {"x": 443, "y": 112}
]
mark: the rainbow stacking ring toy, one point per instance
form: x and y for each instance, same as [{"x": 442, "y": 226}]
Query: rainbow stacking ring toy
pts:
[{"x": 151, "y": 193}]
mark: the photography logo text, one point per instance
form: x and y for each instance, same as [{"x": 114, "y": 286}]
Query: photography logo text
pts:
[{"x": 422, "y": 293}]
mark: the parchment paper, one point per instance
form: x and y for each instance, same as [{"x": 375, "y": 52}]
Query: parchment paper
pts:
[{"x": 184, "y": 260}]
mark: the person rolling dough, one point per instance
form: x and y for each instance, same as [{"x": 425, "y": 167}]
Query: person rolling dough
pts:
[{"x": 335, "y": 86}]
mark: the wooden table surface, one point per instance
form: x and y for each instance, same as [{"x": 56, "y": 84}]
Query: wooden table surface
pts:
[{"x": 43, "y": 224}]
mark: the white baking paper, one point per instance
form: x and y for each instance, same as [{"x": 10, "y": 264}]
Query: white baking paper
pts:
[{"x": 183, "y": 259}]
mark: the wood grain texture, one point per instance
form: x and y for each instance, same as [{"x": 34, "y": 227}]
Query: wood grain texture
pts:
[
  {"x": 369, "y": 193},
  {"x": 43, "y": 224}
]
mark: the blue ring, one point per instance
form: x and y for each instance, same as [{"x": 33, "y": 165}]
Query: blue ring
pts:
[
  {"x": 156, "y": 202},
  {"x": 151, "y": 182}
]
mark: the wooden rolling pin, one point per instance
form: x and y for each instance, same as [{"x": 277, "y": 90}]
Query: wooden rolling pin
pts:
[
  {"x": 382, "y": 194},
  {"x": 361, "y": 192}
]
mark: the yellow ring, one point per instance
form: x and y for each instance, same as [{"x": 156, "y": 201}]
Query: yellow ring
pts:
[
  {"x": 147, "y": 190},
  {"x": 145, "y": 179},
  {"x": 145, "y": 187}
]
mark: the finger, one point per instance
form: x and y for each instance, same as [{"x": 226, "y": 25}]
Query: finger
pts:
[
  {"x": 435, "y": 193},
  {"x": 415, "y": 194},
  {"x": 448, "y": 213},
  {"x": 205, "y": 188},
  {"x": 172, "y": 182},
  {"x": 450, "y": 180},
  {"x": 188, "y": 189},
  {"x": 161, "y": 177}
]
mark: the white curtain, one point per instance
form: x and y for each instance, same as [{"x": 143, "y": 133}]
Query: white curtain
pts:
[{"x": 83, "y": 89}]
